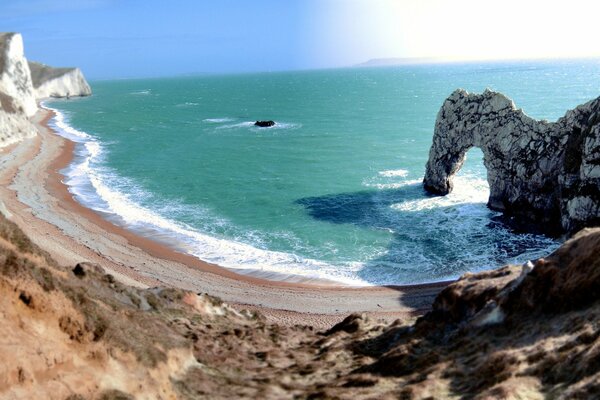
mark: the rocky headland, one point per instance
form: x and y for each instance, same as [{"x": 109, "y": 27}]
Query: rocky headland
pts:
[
  {"x": 58, "y": 82},
  {"x": 544, "y": 176},
  {"x": 24, "y": 83}
]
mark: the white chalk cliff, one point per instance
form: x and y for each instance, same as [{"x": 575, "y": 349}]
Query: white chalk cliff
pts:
[
  {"x": 22, "y": 84},
  {"x": 15, "y": 77},
  {"x": 58, "y": 82}
]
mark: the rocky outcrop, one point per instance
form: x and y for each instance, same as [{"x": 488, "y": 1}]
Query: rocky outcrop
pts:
[
  {"x": 264, "y": 124},
  {"x": 15, "y": 77},
  {"x": 23, "y": 83},
  {"x": 544, "y": 176},
  {"x": 58, "y": 82},
  {"x": 517, "y": 332}
]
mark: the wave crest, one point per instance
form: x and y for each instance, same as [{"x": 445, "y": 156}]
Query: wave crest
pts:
[{"x": 99, "y": 188}]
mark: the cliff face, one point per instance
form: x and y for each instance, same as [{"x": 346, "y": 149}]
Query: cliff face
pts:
[
  {"x": 545, "y": 176},
  {"x": 58, "y": 82},
  {"x": 23, "y": 83},
  {"x": 15, "y": 77},
  {"x": 14, "y": 124},
  {"x": 17, "y": 99}
]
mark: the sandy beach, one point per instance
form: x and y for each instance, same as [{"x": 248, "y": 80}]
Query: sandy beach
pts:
[{"x": 37, "y": 200}]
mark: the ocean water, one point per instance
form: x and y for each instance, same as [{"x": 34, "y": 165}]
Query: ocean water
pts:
[{"x": 333, "y": 191}]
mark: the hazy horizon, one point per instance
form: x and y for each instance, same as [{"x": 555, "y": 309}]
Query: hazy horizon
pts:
[
  {"x": 109, "y": 39},
  {"x": 366, "y": 64}
]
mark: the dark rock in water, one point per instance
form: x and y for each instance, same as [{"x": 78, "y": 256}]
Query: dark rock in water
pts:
[
  {"x": 542, "y": 174},
  {"x": 264, "y": 124}
]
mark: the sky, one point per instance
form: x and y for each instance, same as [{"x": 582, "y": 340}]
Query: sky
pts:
[{"x": 144, "y": 38}]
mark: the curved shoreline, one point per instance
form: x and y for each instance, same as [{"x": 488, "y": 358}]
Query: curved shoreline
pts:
[{"x": 42, "y": 205}]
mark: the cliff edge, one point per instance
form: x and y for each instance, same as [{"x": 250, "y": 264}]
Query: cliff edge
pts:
[
  {"x": 23, "y": 83},
  {"x": 543, "y": 175},
  {"x": 17, "y": 96},
  {"x": 15, "y": 76},
  {"x": 58, "y": 82}
]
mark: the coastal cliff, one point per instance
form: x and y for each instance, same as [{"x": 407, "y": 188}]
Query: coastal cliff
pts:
[
  {"x": 15, "y": 76},
  {"x": 544, "y": 176},
  {"x": 58, "y": 82},
  {"x": 17, "y": 97},
  {"x": 23, "y": 83}
]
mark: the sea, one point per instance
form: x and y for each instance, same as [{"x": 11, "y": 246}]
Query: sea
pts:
[{"x": 333, "y": 191}]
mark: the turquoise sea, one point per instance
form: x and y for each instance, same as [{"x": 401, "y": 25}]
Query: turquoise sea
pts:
[{"x": 332, "y": 191}]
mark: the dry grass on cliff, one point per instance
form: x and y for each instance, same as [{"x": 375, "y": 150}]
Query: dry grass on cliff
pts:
[{"x": 76, "y": 333}]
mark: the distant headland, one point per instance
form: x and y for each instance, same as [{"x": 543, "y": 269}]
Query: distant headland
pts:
[{"x": 389, "y": 62}]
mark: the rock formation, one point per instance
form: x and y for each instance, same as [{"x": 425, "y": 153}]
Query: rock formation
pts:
[
  {"x": 543, "y": 176},
  {"x": 15, "y": 77},
  {"x": 23, "y": 83},
  {"x": 17, "y": 97},
  {"x": 14, "y": 124},
  {"x": 264, "y": 124},
  {"x": 58, "y": 82}
]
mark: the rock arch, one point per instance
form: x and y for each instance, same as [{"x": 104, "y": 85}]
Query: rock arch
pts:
[{"x": 543, "y": 175}]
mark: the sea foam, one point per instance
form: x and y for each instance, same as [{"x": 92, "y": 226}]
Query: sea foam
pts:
[
  {"x": 217, "y": 120},
  {"x": 250, "y": 125},
  {"x": 144, "y": 92},
  {"x": 392, "y": 173},
  {"x": 96, "y": 187},
  {"x": 468, "y": 190},
  {"x": 427, "y": 229}
]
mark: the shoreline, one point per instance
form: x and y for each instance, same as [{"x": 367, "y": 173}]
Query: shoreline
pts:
[
  {"x": 162, "y": 243},
  {"x": 61, "y": 191},
  {"x": 141, "y": 261}
]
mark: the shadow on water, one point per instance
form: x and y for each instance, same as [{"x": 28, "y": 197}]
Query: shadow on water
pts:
[
  {"x": 431, "y": 239},
  {"x": 359, "y": 208}
]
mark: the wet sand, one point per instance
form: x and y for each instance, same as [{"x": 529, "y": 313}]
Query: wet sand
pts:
[{"x": 33, "y": 193}]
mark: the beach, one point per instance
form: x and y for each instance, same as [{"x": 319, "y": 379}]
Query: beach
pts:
[{"x": 41, "y": 205}]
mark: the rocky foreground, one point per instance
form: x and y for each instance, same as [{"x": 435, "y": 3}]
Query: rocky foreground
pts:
[{"x": 517, "y": 332}]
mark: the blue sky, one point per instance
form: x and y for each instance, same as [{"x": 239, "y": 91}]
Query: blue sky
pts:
[
  {"x": 135, "y": 38},
  {"x": 110, "y": 38}
]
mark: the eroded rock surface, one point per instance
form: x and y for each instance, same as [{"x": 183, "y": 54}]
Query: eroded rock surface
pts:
[{"x": 545, "y": 176}]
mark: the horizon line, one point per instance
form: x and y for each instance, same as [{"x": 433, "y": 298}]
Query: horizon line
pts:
[{"x": 400, "y": 62}]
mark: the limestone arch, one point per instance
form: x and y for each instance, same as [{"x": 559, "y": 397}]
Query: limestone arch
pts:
[{"x": 521, "y": 154}]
